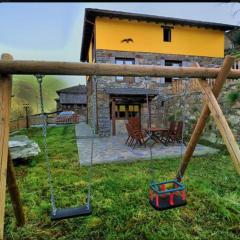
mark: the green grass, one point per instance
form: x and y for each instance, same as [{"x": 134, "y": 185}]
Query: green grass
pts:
[{"x": 120, "y": 197}]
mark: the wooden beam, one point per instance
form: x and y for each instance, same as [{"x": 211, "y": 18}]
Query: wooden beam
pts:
[
  {"x": 14, "y": 193},
  {"x": 150, "y": 114},
  {"x": 223, "y": 74},
  {"x": 222, "y": 124},
  {"x": 113, "y": 117},
  {"x": 5, "y": 100},
  {"x": 103, "y": 69}
]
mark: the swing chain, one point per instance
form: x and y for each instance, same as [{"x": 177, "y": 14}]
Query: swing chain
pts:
[
  {"x": 92, "y": 142},
  {"x": 146, "y": 79},
  {"x": 44, "y": 133},
  {"x": 147, "y": 99}
]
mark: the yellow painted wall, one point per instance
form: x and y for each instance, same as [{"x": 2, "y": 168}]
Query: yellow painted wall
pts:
[
  {"x": 148, "y": 37},
  {"x": 90, "y": 53}
]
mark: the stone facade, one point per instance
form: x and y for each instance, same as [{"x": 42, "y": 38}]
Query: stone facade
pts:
[
  {"x": 159, "y": 109},
  {"x": 191, "y": 105},
  {"x": 231, "y": 112}
]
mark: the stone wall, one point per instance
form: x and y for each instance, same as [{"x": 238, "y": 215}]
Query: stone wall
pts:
[
  {"x": 190, "y": 107},
  {"x": 231, "y": 112},
  {"x": 158, "y": 112}
]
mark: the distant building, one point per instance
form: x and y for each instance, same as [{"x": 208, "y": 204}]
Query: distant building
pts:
[{"x": 72, "y": 99}]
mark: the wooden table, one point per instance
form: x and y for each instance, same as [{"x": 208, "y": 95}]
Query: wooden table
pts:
[{"x": 152, "y": 133}]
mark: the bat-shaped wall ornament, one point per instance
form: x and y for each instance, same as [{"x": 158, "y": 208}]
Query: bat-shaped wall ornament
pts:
[{"x": 127, "y": 40}]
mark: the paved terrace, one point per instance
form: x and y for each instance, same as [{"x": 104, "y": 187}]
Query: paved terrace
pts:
[{"x": 113, "y": 149}]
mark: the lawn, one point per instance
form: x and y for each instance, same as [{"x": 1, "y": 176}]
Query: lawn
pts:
[{"x": 120, "y": 197}]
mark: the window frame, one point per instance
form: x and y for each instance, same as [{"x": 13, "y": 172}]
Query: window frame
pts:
[
  {"x": 126, "y": 114},
  {"x": 169, "y": 34},
  {"x": 170, "y": 64},
  {"x": 124, "y": 60}
]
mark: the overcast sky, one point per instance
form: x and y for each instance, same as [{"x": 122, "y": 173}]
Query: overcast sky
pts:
[{"x": 53, "y": 31}]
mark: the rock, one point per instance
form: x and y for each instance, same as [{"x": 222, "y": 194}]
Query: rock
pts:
[
  {"x": 236, "y": 105},
  {"x": 22, "y": 147},
  {"x": 234, "y": 120}
]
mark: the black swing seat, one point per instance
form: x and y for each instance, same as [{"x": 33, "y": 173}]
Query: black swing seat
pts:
[
  {"x": 167, "y": 195},
  {"x": 71, "y": 212}
]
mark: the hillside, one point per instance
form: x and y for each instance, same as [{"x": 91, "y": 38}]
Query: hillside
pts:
[{"x": 25, "y": 90}]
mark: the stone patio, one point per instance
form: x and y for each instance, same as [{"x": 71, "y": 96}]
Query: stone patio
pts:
[{"x": 113, "y": 149}]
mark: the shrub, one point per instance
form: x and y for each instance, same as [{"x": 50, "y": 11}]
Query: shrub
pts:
[{"x": 232, "y": 97}]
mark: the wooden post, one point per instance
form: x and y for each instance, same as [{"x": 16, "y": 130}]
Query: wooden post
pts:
[
  {"x": 150, "y": 114},
  {"x": 14, "y": 193},
  {"x": 113, "y": 117},
  {"x": 5, "y": 101},
  {"x": 222, "y": 124},
  {"x": 222, "y": 75},
  {"x": 126, "y": 112}
]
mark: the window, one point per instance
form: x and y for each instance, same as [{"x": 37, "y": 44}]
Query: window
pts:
[
  {"x": 166, "y": 34},
  {"x": 121, "y": 61},
  {"x": 133, "y": 110},
  {"x": 172, "y": 63},
  {"x": 121, "y": 111},
  {"x": 125, "y": 111}
]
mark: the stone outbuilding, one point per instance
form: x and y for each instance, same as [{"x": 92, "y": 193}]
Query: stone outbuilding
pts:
[{"x": 73, "y": 99}]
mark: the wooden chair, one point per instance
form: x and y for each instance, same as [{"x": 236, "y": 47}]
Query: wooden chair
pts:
[
  {"x": 171, "y": 131},
  {"x": 135, "y": 122},
  {"x": 177, "y": 135},
  {"x": 130, "y": 138},
  {"x": 134, "y": 136}
]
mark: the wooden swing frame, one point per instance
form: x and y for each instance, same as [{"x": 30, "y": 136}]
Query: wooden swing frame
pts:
[{"x": 8, "y": 67}]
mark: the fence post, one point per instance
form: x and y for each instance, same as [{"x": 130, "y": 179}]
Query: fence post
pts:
[{"x": 5, "y": 103}]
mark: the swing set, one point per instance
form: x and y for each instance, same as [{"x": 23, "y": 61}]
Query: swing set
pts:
[{"x": 162, "y": 195}]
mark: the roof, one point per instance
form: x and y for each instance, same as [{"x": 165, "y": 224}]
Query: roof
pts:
[
  {"x": 132, "y": 91},
  {"x": 74, "y": 89},
  {"x": 91, "y": 14}
]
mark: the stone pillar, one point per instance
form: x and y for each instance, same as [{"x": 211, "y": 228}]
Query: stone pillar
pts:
[
  {"x": 113, "y": 117},
  {"x": 104, "y": 121}
]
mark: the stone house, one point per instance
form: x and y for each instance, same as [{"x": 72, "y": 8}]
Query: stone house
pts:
[
  {"x": 129, "y": 38},
  {"x": 72, "y": 99}
]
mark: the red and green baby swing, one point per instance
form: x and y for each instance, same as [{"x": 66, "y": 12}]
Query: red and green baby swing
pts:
[{"x": 172, "y": 193}]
